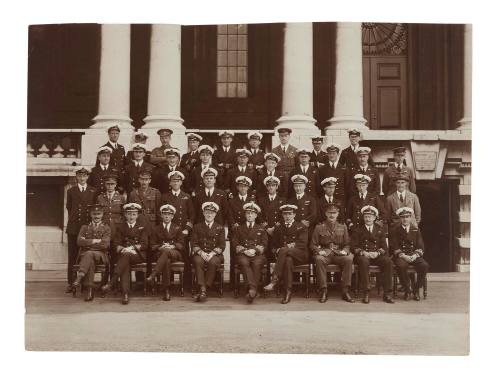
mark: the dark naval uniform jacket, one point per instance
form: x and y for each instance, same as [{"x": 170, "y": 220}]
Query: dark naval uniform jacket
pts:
[
  {"x": 261, "y": 188},
  {"x": 97, "y": 176},
  {"x": 333, "y": 237},
  {"x": 190, "y": 160},
  {"x": 219, "y": 197},
  {"x": 313, "y": 184},
  {"x": 307, "y": 208},
  {"x": 131, "y": 176},
  {"x": 184, "y": 208},
  {"x": 349, "y": 158},
  {"x": 373, "y": 185},
  {"x": 297, "y": 233},
  {"x": 363, "y": 240},
  {"x": 355, "y": 204},
  {"x": 160, "y": 178},
  {"x": 323, "y": 203},
  {"x": 339, "y": 172},
  {"x": 208, "y": 239},
  {"x": 194, "y": 181},
  {"x": 250, "y": 238},
  {"x": 408, "y": 243},
  {"x": 271, "y": 213},
  {"x": 76, "y": 204},
  {"x": 235, "y": 172},
  {"x": 256, "y": 159},
  {"x": 136, "y": 236},
  {"x": 173, "y": 236},
  {"x": 236, "y": 214},
  {"x": 117, "y": 157},
  {"x": 318, "y": 158}
]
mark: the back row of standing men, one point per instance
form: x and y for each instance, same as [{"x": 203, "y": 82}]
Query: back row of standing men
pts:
[{"x": 310, "y": 180}]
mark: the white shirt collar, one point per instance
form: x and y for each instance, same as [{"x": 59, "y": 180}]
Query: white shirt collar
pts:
[
  {"x": 167, "y": 226},
  {"x": 209, "y": 225},
  {"x": 103, "y": 167},
  {"x": 96, "y": 224},
  {"x": 209, "y": 191},
  {"x": 334, "y": 164},
  {"x": 82, "y": 187},
  {"x": 403, "y": 193},
  {"x": 299, "y": 196},
  {"x": 243, "y": 197},
  {"x": 131, "y": 224},
  {"x": 285, "y": 146},
  {"x": 354, "y": 148},
  {"x": 176, "y": 192},
  {"x": 369, "y": 228},
  {"x": 138, "y": 162},
  {"x": 272, "y": 196},
  {"x": 248, "y": 224}
]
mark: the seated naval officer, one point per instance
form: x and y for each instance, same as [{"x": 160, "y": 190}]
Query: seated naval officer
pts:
[
  {"x": 407, "y": 246},
  {"x": 131, "y": 242},
  {"x": 158, "y": 156},
  {"x": 290, "y": 245},
  {"x": 167, "y": 243},
  {"x": 250, "y": 243},
  {"x": 369, "y": 244},
  {"x": 208, "y": 241},
  {"x": 330, "y": 245},
  {"x": 93, "y": 241},
  {"x": 396, "y": 169}
]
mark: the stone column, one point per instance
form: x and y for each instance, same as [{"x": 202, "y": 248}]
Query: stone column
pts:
[
  {"x": 348, "y": 105},
  {"x": 466, "y": 122},
  {"x": 164, "y": 96},
  {"x": 114, "y": 91},
  {"x": 297, "y": 110}
]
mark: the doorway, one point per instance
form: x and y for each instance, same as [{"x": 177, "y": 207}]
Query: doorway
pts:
[{"x": 439, "y": 202}]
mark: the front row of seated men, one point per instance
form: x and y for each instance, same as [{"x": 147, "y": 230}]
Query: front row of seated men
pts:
[{"x": 330, "y": 244}]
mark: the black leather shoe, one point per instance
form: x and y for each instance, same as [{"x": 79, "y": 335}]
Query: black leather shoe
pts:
[
  {"x": 69, "y": 289},
  {"x": 407, "y": 295},
  {"x": 347, "y": 297},
  {"x": 287, "y": 298},
  {"x": 416, "y": 296},
  {"x": 323, "y": 296},
  {"x": 166, "y": 295},
  {"x": 125, "y": 299},
  {"x": 252, "y": 293},
  {"x": 388, "y": 298},
  {"x": 203, "y": 296},
  {"x": 90, "y": 294},
  {"x": 366, "y": 298}
]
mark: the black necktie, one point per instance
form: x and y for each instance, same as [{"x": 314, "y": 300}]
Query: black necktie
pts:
[
  {"x": 398, "y": 167},
  {"x": 401, "y": 197}
]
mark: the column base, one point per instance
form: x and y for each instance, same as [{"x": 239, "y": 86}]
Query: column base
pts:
[
  {"x": 96, "y": 137},
  {"x": 153, "y": 123},
  {"x": 303, "y": 128},
  {"x": 462, "y": 268},
  {"x": 336, "y": 132},
  {"x": 105, "y": 121},
  {"x": 465, "y": 124}
]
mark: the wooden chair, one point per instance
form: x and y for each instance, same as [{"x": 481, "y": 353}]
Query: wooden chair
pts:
[
  {"x": 141, "y": 267},
  {"x": 175, "y": 268},
  {"x": 220, "y": 271},
  {"x": 412, "y": 272},
  {"x": 304, "y": 274},
  {"x": 103, "y": 269},
  {"x": 238, "y": 273}
]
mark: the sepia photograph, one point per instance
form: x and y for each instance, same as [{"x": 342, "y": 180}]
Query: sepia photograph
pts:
[{"x": 275, "y": 187}]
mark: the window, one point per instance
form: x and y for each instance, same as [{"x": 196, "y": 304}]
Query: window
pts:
[{"x": 232, "y": 61}]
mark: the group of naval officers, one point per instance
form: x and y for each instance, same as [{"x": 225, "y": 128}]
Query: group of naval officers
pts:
[{"x": 290, "y": 206}]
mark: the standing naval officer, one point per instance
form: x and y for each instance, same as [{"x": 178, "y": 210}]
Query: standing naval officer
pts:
[{"x": 78, "y": 198}]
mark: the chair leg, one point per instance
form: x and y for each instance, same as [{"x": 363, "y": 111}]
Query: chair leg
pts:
[
  {"x": 181, "y": 275},
  {"x": 425, "y": 287},
  {"x": 394, "y": 285},
  {"x": 412, "y": 282},
  {"x": 145, "y": 285},
  {"x": 193, "y": 282},
  {"x": 308, "y": 278},
  {"x": 221, "y": 289},
  {"x": 236, "y": 284}
]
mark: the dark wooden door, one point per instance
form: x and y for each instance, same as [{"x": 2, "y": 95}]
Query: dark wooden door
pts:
[
  {"x": 437, "y": 200},
  {"x": 385, "y": 92}
]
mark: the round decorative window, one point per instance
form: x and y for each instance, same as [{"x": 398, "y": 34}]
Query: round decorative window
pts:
[{"x": 384, "y": 38}]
